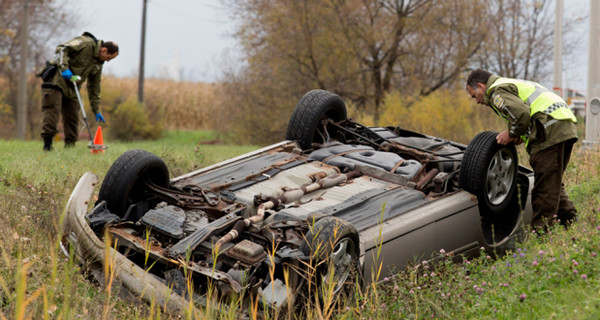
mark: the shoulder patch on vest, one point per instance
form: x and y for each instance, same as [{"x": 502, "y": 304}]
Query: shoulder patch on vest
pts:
[{"x": 497, "y": 100}]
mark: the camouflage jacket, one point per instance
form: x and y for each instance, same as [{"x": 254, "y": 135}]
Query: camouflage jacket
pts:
[{"x": 81, "y": 56}]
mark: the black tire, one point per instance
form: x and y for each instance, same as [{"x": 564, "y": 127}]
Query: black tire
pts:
[
  {"x": 489, "y": 171},
  {"x": 124, "y": 183},
  {"x": 333, "y": 246},
  {"x": 314, "y": 106}
]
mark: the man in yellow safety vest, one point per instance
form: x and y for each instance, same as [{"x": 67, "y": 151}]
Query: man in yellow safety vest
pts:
[{"x": 541, "y": 119}]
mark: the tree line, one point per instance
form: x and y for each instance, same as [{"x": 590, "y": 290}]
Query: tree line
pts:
[
  {"x": 49, "y": 23},
  {"x": 366, "y": 50},
  {"x": 384, "y": 57}
]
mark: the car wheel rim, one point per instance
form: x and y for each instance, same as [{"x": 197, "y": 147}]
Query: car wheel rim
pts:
[
  {"x": 341, "y": 264},
  {"x": 500, "y": 176}
]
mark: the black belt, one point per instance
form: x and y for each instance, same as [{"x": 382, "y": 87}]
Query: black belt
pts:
[{"x": 50, "y": 85}]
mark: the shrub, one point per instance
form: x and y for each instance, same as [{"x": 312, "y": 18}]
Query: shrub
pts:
[
  {"x": 446, "y": 113},
  {"x": 190, "y": 105},
  {"x": 129, "y": 121},
  {"x": 7, "y": 121}
]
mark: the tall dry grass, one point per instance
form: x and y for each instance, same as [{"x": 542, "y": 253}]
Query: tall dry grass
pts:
[
  {"x": 171, "y": 105},
  {"x": 187, "y": 105},
  {"x": 176, "y": 105}
]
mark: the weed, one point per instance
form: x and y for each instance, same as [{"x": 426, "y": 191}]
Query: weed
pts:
[{"x": 554, "y": 276}]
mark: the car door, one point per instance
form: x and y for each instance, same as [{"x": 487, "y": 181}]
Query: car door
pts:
[{"x": 451, "y": 223}]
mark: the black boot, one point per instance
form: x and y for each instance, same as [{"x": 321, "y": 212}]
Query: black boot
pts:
[
  {"x": 568, "y": 218},
  {"x": 47, "y": 143}
]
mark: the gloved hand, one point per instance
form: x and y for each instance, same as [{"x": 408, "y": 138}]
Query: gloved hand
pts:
[
  {"x": 67, "y": 74},
  {"x": 100, "y": 118}
]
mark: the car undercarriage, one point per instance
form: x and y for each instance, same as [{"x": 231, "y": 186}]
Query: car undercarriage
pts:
[{"x": 283, "y": 222}]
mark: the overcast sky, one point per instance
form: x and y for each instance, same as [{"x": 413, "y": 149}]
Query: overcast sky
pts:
[
  {"x": 185, "y": 39},
  {"x": 191, "y": 39}
]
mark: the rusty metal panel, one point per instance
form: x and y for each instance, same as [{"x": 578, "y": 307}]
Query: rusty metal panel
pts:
[
  {"x": 238, "y": 172},
  {"x": 247, "y": 252},
  {"x": 166, "y": 219}
]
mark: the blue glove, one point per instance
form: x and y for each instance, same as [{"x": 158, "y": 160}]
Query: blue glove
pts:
[
  {"x": 67, "y": 74},
  {"x": 100, "y": 118}
]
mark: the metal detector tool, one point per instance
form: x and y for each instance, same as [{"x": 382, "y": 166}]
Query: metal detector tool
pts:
[{"x": 91, "y": 145}]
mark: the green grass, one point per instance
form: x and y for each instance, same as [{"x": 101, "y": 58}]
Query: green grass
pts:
[
  {"x": 556, "y": 276},
  {"x": 34, "y": 189},
  {"x": 543, "y": 279}
]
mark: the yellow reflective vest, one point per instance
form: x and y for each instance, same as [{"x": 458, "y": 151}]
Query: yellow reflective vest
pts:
[
  {"x": 539, "y": 99},
  {"x": 535, "y": 97}
]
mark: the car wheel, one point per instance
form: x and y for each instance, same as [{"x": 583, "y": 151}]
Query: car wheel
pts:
[
  {"x": 489, "y": 170},
  {"x": 305, "y": 125},
  {"x": 125, "y": 181},
  {"x": 333, "y": 247}
]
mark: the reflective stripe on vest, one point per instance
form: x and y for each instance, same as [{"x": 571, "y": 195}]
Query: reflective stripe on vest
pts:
[{"x": 539, "y": 99}]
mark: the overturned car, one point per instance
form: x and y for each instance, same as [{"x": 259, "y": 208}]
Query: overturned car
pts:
[{"x": 322, "y": 209}]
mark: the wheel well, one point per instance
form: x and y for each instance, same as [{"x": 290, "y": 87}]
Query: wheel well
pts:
[
  {"x": 523, "y": 187},
  {"x": 498, "y": 228}
]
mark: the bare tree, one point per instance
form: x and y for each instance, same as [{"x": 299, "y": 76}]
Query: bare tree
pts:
[
  {"x": 520, "y": 44},
  {"x": 376, "y": 33},
  {"x": 365, "y": 49},
  {"x": 47, "y": 20}
]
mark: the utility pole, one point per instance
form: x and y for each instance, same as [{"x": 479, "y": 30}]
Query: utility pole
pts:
[
  {"x": 592, "y": 112},
  {"x": 558, "y": 45},
  {"x": 142, "y": 54},
  {"x": 22, "y": 85}
]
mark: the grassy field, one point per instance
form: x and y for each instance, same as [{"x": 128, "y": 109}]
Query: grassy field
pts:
[{"x": 556, "y": 276}]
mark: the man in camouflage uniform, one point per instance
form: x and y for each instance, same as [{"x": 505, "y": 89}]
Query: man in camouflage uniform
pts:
[
  {"x": 82, "y": 56},
  {"x": 541, "y": 119}
]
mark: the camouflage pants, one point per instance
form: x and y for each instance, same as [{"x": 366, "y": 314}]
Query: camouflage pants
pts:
[
  {"x": 53, "y": 105},
  {"x": 549, "y": 198}
]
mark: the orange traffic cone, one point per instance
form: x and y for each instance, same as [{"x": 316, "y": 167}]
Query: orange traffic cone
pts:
[{"x": 98, "y": 146}]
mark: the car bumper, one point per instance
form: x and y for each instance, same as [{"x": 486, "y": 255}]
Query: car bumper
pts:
[{"x": 93, "y": 253}]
